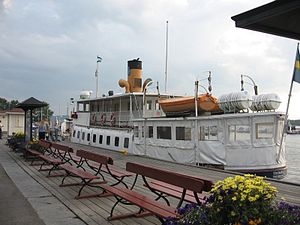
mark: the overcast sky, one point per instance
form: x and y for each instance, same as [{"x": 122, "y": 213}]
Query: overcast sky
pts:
[{"x": 48, "y": 48}]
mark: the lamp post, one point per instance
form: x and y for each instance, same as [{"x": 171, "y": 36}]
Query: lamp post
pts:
[
  {"x": 253, "y": 83},
  {"x": 144, "y": 94},
  {"x": 71, "y": 105}
]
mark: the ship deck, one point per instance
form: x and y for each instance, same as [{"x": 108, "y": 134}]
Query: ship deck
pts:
[{"x": 96, "y": 210}]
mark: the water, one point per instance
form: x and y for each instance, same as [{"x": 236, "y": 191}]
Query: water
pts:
[{"x": 293, "y": 158}]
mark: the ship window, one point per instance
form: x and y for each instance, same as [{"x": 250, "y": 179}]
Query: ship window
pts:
[
  {"x": 137, "y": 82},
  {"x": 116, "y": 107},
  {"x": 264, "y": 130},
  {"x": 117, "y": 141},
  {"x": 86, "y": 107},
  {"x": 164, "y": 132},
  {"x": 208, "y": 133},
  {"x": 149, "y": 105},
  {"x": 149, "y": 131},
  {"x": 128, "y": 106},
  {"x": 157, "y": 106},
  {"x": 78, "y": 134},
  {"x": 126, "y": 142},
  {"x": 100, "y": 139},
  {"x": 80, "y": 107},
  {"x": 108, "y": 140},
  {"x": 183, "y": 133},
  {"x": 94, "y": 138},
  {"x": 74, "y": 132},
  {"x": 92, "y": 108},
  {"x": 88, "y": 137},
  {"x": 136, "y": 131},
  {"x": 82, "y": 136},
  {"x": 239, "y": 133}
]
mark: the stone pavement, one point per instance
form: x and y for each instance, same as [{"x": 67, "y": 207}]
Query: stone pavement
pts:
[{"x": 23, "y": 201}]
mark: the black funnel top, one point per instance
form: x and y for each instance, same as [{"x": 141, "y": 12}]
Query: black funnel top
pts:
[{"x": 135, "y": 64}]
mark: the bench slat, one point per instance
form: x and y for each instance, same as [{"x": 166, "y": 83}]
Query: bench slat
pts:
[
  {"x": 116, "y": 171},
  {"x": 157, "y": 208},
  {"x": 51, "y": 159},
  {"x": 175, "y": 191},
  {"x": 78, "y": 172},
  {"x": 181, "y": 180},
  {"x": 34, "y": 152},
  {"x": 94, "y": 157}
]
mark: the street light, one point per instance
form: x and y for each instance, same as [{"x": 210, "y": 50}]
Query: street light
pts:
[
  {"x": 149, "y": 82},
  {"x": 71, "y": 103},
  {"x": 253, "y": 83}
]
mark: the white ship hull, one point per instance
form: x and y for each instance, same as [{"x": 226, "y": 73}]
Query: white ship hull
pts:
[{"x": 245, "y": 142}]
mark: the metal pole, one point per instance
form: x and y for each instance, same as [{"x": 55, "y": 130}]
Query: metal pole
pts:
[
  {"x": 285, "y": 121},
  {"x": 30, "y": 125},
  {"x": 254, "y": 85},
  {"x": 166, "y": 65},
  {"x": 97, "y": 75},
  {"x": 196, "y": 98},
  {"x": 196, "y": 121},
  {"x": 99, "y": 59},
  {"x": 242, "y": 83},
  {"x": 144, "y": 96}
]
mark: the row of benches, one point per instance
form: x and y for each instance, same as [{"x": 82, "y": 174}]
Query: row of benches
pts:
[{"x": 89, "y": 167}]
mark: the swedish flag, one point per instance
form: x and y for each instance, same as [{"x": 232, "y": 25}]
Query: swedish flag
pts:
[{"x": 296, "y": 76}]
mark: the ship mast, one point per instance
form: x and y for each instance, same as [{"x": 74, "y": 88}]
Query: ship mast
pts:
[
  {"x": 166, "y": 63},
  {"x": 99, "y": 59}
]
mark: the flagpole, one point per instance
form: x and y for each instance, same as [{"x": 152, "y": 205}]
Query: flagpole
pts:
[
  {"x": 99, "y": 59},
  {"x": 285, "y": 120},
  {"x": 96, "y": 74},
  {"x": 287, "y": 109},
  {"x": 166, "y": 63}
]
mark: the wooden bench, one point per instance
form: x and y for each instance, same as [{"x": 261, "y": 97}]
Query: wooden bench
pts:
[
  {"x": 33, "y": 152},
  {"x": 117, "y": 173},
  {"x": 86, "y": 177},
  {"x": 149, "y": 205},
  {"x": 57, "y": 156},
  {"x": 176, "y": 192}
]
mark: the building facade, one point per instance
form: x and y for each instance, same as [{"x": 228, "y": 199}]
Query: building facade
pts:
[{"x": 12, "y": 120}]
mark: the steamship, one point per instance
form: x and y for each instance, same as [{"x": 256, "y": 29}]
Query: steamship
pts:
[{"x": 235, "y": 132}]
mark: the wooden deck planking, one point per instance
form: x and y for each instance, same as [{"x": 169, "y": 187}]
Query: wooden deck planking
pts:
[
  {"x": 92, "y": 210},
  {"x": 289, "y": 192},
  {"x": 96, "y": 210}
]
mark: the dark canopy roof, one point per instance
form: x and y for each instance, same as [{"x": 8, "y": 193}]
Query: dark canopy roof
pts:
[
  {"x": 31, "y": 103},
  {"x": 281, "y": 17}
]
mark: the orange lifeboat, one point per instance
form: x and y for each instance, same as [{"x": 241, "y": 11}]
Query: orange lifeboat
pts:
[{"x": 206, "y": 103}]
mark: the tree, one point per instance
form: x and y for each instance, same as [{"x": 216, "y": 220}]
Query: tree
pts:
[
  {"x": 3, "y": 104},
  {"x": 42, "y": 113},
  {"x": 6, "y": 105}
]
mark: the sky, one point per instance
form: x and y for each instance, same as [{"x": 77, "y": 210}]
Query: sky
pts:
[{"x": 49, "y": 49}]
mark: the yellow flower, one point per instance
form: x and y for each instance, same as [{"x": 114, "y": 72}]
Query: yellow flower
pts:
[
  {"x": 258, "y": 221},
  {"x": 252, "y": 199},
  {"x": 251, "y": 222}
]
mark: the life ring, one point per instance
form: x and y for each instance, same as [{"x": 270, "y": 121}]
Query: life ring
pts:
[
  {"x": 103, "y": 119},
  {"x": 94, "y": 118},
  {"x": 112, "y": 120}
]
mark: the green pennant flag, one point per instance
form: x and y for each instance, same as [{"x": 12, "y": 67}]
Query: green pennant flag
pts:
[{"x": 296, "y": 76}]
